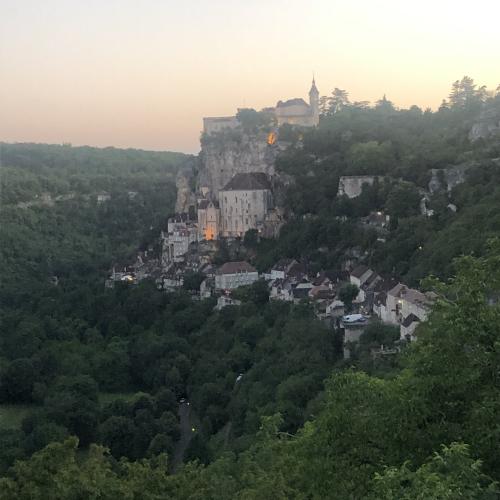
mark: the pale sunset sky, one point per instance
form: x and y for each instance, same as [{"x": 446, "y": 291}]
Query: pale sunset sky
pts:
[{"x": 143, "y": 73}]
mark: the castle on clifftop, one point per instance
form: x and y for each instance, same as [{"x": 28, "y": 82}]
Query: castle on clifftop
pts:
[
  {"x": 235, "y": 187},
  {"x": 293, "y": 111}
]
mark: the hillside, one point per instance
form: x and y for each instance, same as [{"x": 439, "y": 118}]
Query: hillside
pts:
[{"x": 111, "y": 384}]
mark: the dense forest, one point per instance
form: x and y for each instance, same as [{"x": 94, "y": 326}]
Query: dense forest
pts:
[{"x": 91, "y": 378}]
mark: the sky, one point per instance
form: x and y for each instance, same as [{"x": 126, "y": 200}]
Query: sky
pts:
[{"x": 143, "y": 73}]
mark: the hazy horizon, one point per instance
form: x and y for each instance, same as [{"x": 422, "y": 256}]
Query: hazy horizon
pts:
[{"x": 142, "y": 75}]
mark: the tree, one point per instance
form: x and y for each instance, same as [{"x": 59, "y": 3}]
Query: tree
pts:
[
  {"x": 403, "y": 201},
  {"x": 465, "y": 95},
  {"x": 371, "y": 157},
  {"x": 339, "y": 100},
  {"x": 252, "y": 120},
  {"x": 17, "y": 381},
  {"x": 55, "y": 472},
  {"x": 118, "y": 433},
  {"x": 384, "y": 105},
  {"x": 449, "y": 474},
  {"x": 251, "y": 238},
  {"x": 347, "y": 293},
  {"x": 192, "y": 281}
]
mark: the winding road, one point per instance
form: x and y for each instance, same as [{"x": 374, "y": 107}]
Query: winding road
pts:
[{"x": 187, "y": 434}]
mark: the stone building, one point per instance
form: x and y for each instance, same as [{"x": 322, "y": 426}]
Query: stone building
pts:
[
  {"x": 244, "y": 203},
  {"x": 208, "y": 220},
  {"x": 402, "y": 301},
  {"x": 293, "y": 111},
  {"x": 235, "y": 274},
  {"x": 353, "y": 326},
  {"x": 298, "y": 112},
  {"x": 214, "y": 124},
  {"x": 181, "y": 232}
]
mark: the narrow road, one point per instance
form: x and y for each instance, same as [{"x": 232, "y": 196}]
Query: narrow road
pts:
[{"x": 186, "y": 428}]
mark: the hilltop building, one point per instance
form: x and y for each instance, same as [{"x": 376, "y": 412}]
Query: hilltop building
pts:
[
  {"x": 298, "y": 112},
  {"x": 214, "y": 124},
  {"x": 292, "y": 111}
]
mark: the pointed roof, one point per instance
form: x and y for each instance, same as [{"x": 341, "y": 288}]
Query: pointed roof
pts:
[{"x": 314, "y": 89}]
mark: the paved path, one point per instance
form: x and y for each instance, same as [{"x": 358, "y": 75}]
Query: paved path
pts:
[{"x": 184, "y": 413}]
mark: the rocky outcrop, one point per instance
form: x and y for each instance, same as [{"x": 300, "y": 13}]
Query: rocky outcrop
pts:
[
  {"x": 448, "y": 178},
  {"x": 185, "y": 195},
  {"x": 223, "y": 157},
  {"x": 488, "y": 124}
]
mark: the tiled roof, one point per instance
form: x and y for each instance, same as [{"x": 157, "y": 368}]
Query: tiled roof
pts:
[
  {"x": 248, "y": 182},
  {"x": 292, "y": 102},
  {"x": 236, "y": 267},
  {"x": 411, "y": 318},
  {"x": 359, "y": 271},
  {"x": 204, "y": 204}
]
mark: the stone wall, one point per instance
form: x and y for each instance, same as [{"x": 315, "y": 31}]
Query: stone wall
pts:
[{"x": 214, "y": 124}]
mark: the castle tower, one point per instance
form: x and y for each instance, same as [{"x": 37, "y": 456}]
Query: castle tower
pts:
[{"x": 314, "y": 102}]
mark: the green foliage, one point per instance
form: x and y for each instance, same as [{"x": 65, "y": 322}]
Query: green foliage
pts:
[
  {"x": 192, "y": 281},
  {"x": 347, "y": 293},
  {"x": 277, "y": 414},
  {"x": 252, "y": 120},
  {"x": 449, "y": 474}
]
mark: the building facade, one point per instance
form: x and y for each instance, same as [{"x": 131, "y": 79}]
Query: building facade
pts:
[
  {"x": 244, "y": 204},
  {"x": 298, "y": 112},
  {"x": 214, "y": 124},
  {"x": 232, "y": 275},
  {"x": 293, "y": 111},
  {"x": 208, "y": 220}
]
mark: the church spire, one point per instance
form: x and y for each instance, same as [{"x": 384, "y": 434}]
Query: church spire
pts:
[
  {"x": 314, "y": 102},
  {"x": 314, "y": 89}
]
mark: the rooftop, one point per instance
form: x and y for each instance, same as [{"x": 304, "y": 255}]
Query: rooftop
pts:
[
  {"x": 411, "y": 295},
  {"x": 292, "y": 102},
  {"x": 236, "y": 267},
  {"x": 359, "y": 271},
  {"x": 353, "y": 318},
  {"x": 411, "y": 318},
  {"x": 248, "y": 182},
  {"x": 203, "y": 204}
]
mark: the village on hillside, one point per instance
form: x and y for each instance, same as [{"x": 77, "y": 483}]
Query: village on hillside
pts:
[{"x": 234, "y": 199}]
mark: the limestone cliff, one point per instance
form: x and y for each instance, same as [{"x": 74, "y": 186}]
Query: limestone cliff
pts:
[
  {"x": 448, "y": 178},
  {"x": 488, "y": 124},
  {"x": 224, "y": 156},
  {"x": 185, "y": 182}
]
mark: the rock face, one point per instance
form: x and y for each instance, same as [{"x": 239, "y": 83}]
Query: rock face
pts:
[
  {"x": 352, "y": 185},
  {"x": 448, "y": 178},
  {"x": 487, "y": 125},
  {"x": 223, "y": 158},
  {"x": 185, "y": 195}
]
